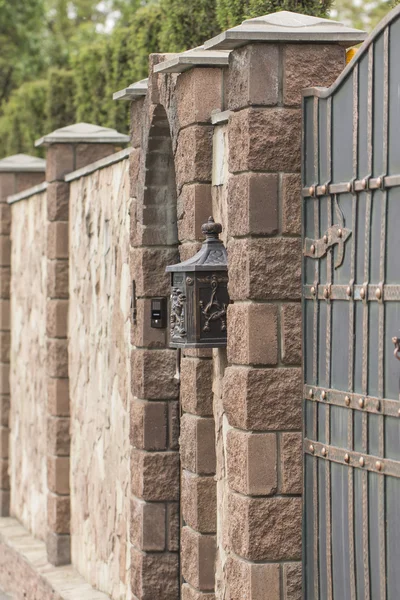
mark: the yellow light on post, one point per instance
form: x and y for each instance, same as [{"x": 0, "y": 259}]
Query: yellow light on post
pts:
[{"x": 350, "y": 54}]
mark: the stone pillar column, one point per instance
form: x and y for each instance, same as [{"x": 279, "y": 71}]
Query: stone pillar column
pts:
[
  {"x": 68, "y": 149},
  {"x": 17, "y": 173},
  {"x": 270, "y": 64}
]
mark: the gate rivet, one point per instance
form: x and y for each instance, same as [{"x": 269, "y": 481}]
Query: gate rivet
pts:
[
  {"x": 313, "y": 290},
  {"x": 379, "y": 181},
  {"x": 346, "y": 458},
  {"x": 340, "y": 233},
  {"x": 348, "y": 187},
  {"x": 323, "y": 395},
  {"x": 311, "y": 190},
  {"x": 323, "y": 190},
  {"x": 347, "y": 400},
  {"x": 311, "y": 393},
  {"x": 378, "y": 465},
  {"x": 378, "y": 293},
  {"x": 324, "y": 451},
  {"x": 312, "y": 449},
  {"x": 348, "y": 291},
  {"x": 378, "y": 406},
  {"x": 326, "y": 239},
  {"x": 361, "y": 403},
  {"x": 363, "y": 184},
  {"x": 398, "y": 412},
  {"x": 362, "y": 461},
  {"x": 326, "y": 292},
  {"x": 362, "y": 293},
  {"x": 312, "y": 249}
]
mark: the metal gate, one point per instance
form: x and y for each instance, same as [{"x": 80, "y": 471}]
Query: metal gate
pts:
[{"x": 351, "y": 303}]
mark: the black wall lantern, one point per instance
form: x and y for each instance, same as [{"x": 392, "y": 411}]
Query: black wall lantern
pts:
[{"x": 199, "y": 295}]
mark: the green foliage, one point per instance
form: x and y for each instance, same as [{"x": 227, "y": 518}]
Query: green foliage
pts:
[
  {"x": 232, "y": 12},
  {"x": 362, "y": 16},
  {"x": 23, "y": 118},
  {"x": 187, "y": 23},
  {"x": 60, "y": 108}
]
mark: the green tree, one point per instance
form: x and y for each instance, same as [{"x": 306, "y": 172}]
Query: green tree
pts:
[
  {"x": 362, "y": 16},
  {"x": 186, "y": 24}
]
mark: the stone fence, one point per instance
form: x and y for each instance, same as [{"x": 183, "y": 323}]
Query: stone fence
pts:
[{"x": 156, "y": 489}]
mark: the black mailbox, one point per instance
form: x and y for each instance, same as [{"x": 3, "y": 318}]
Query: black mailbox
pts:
[{"x": 199, "y": 295}]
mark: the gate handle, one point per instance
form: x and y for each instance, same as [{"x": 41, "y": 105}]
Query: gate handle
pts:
[{"x": 396, "y": 342}]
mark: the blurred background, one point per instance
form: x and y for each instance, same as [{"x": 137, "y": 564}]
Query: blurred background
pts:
[{"x": 62, "y": 60}]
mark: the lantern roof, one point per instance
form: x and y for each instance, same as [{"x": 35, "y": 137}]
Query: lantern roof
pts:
[{"x": 212, "y": 255}]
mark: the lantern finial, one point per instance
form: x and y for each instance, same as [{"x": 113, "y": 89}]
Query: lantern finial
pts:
[{"x": 211, "y": 229}]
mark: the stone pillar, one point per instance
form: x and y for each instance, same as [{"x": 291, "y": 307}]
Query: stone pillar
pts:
[
  {"x": 260, "y": 545},
  {"x": 17, "y": 173},
  {"x": 68, "y": 149}
]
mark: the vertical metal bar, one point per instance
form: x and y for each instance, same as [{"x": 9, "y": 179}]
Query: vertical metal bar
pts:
[
  {"x": 315, "y": 353},
  {"x": 329, "y": 259},
  {"x": 381, "y": 376}
]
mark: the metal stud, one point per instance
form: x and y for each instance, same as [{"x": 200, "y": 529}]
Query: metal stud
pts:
[
  {"x": 361, "y": 403},
  {"x": 347, "y": 400},
  {"x": 362, "y": 461},
  {"x": 311, "y": 449},
  {"x": 312, "y": 249},
  {"x": 346, "y": 458},
  {"x": 362, "y": 293},
  {"x": 313, "y": 290},
  {"x": 348, "y": 187},
  {"x": 339, "y": 232},
  {"x": 311, "y": 190},
  {"x": 311, "y": 393},
  {"x": 348, "y": 291},
  {"x": 379, "y": 181},
  {"x": 378, "y": 406},
  {"x": 323, "y": 395},
  {"x": 378, "y": 465},
  {"x": 398, "y": 412},
  {"x": 324, "y": 451},
  {"x": 378, "y": 293},
  {"x": 326, "y": 240},
  {"x": 323, "y": 189},
  {"x": 363, "y": 184},
  {"x": 326, "y": 292}
]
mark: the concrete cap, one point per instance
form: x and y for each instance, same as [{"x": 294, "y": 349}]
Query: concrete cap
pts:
[
  {"x": 133, "y": 91},
  {"x": 197, "y": 57},
  {"x": 22, "y": 162},
  {"x": 83, "y": 133},
  {"x": 287, "y": 26}
]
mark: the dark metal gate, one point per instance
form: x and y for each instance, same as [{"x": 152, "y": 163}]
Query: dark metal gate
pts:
[{"x": 351, "y": 292}]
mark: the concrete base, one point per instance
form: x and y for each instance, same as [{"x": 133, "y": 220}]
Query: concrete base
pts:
[{"x": 25, "y": 572}]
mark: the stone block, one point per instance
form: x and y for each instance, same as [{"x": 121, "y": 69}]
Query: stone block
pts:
[
  {"x": 265, "y": 269},
  {"x": 58, "y": 549},
  {"x": 136, "y": 121},
  {"x": 57, "y": 357},
  {"x": 4, "y": 476},
  {"x": 5, "y": 250},
  {"x": 142, "y": 334},
  {"x": 198, "y": 558},
  {"x": 5, "y": 315},
  {"x": 57, "y": 278},
  {"x": 187, "y": 250},
  {"x": 173, "y": 526},
  {"x": 153, "y": 374},
  {"x": 291, "y": 333},
  {"x": 58, "y": 513},
  {"x": 4, "y": 379},
  {"x": 254, "y": 76},
  {"x": 291, "y": 463},
  {"x": 155, "y": 475},
  {"x": 58, "y": 474},
  {"x": 5, "y": 344},
  {"x": 265, "y": 139},
  {"x": 252, "y": 581},
  {"x": 198, "y": 92},
  {"x": 5, "y": 280},
  {"x": 148, "y": 525},
  {"x": 197, "y": 444},
  {"x": 155, "y": 576},
  {"x": 57, "y": 318},
  {"x": 190, "y": 593},
  {"x": 7, "y": 186},
  {"x": 60, "y": 160},
  {"x": 310, "y": 65},
  {"x": 5, "y": 219},
  {"x": 265, "y": 528},
  {"x": 263, "y": 399},
  {"x": 5, "y": 497},
  {"x": 149, "y": 425},
  {"x": 193, "y": 157},
  {"x": 4, "y": 410},
  {"x": 58, "y": 436},
  {"x": 291, "y": 204},
  {"x": 174, "y": 424},
  {"x": 86, "y": 154},
  {"x": 58, "y": 397},
  {"x": 195, "y": 208},
  {"x": 251, "y": 462},
  {"x": 57, "y": 239},
  {"x": 58, "y": 201},
  {"x": 292, "y": 581},
  {"x": 148, "y": 266},
  {"x": 196, "y": 393},
  {"x": 199, "y": 502},
  {"x": 253, "y": 204},
  {"x": 4, "y": 442},
  {"x": 256, "y": 326}
]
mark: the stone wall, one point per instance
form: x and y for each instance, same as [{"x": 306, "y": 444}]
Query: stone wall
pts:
[
  {"x": 99, "y": 353},
  {"x": 28, "y": 357}
]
